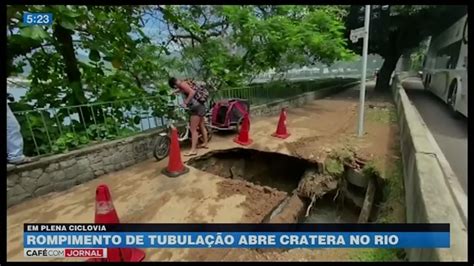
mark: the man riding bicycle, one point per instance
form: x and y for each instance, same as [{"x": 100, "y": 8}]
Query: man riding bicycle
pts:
[{"x": 194, "y": 99}]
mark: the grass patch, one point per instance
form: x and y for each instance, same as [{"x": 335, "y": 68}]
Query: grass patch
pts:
[
  {"x": 334, "y": 167},
  {"x": 377, "y": 254},
  {"x": 385, "y": 115},
  {"x": 392, "y": 208}
]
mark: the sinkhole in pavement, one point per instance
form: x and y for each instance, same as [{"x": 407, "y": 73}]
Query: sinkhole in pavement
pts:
[
  {"x": 271, "y": 169},
  {"x": 314, "y": 195}
]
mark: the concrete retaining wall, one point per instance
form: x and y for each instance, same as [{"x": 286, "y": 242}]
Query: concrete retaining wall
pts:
[
  {"x": 428, "y": 197},
  {"x": 60, "y": 172}
]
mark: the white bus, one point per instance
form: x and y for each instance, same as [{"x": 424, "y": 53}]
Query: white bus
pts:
[{"x": 445, "y": 66}]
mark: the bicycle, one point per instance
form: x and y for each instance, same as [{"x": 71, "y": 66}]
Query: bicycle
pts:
[{"x": 162, "y": 145}]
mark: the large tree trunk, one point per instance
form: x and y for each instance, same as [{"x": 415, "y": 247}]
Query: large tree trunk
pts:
[
  {"x": 65, "y": 46},
  {"x": 385, "y": 73}
]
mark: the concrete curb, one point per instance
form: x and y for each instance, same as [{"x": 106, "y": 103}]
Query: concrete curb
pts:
[
  {"x": 429, "y": 196},
  {"x": 451, "y": 179}
]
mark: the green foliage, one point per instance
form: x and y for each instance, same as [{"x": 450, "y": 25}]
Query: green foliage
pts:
[
  {"x": 223, "y": 45},
  {"x": 242, "y": 41},
  {"x": 386, "y": 115},
  {"x": 334, "y": 166},
  {"x": 379, "y": 255},
  {"x": 345, "y": 154},
  {"x": 69, "y": 141},
  {"x": 395, "y": 188}
]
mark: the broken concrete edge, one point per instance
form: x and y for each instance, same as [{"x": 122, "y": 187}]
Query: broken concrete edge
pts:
[
  {"x": 429, "y": 198},
  {"x": 368, "y": 202}
]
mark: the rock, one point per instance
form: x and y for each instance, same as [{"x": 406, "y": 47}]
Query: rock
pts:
[
  {"x": 97, "y": 166},
  {"x": 10, "y": 182},
  {"x": 109, "y": 168},
  {"x": 13, "y": 178},
  {"x": 10, "y": 167},
  {"x": 85, "y": 177},
  {"x": 32, "y": 174},
  {"x": 64, "y": 185},
  {"x": 29, "y": 184},
  {"x": 58, "y": 176},
  {"x": 67, "y": 163},
  {"x": 51, "y": 168},
  {"x": 99, "y": 172},
  {"x": 16, "y": 199},
  {"x": 107, "y": 160},
  {"x": 44, "y": 180},
  {"x": 44, "y": 190},
  {"x": 94, "y": 159},
  {"x": 83, "y": 162},
  {"x": 16, "y": 190},
  {"x": 73, "y": 172}
]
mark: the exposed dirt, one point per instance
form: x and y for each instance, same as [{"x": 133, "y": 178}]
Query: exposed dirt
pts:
[
  {"x": 263, "y": 168},
  {"x": 255, "y": 208},
  {"x": 336, "y": 127}
]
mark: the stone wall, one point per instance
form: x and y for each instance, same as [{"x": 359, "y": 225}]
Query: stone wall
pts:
[
  {"x": 430, "y": 195},
  {"x": 60, "y": 172},
  {"x": 63, "y": 171}
]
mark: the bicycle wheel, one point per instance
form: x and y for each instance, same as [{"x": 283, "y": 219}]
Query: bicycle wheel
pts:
[
  {"x": 162, "y": 148},
  {"x": 182, "y": 131}
]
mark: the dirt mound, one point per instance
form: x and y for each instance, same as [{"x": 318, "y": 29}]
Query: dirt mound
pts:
[{"x": 259, "y": 200}]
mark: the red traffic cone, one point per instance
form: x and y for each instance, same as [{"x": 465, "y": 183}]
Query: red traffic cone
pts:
[
  {"x": 105, "y": 214},
  {"x": 175, "y": 165},
  {"x": 281, "y": 131},
  {"x": 243, "y": 137}
]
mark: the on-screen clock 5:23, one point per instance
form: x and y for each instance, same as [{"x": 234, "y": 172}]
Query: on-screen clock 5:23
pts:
[{"x": 41, "y": 19}]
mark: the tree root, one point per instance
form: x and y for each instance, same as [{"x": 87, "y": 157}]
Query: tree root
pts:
[
  {"x": 337, "y": 194},
  {"x": 313, "y": 199}
]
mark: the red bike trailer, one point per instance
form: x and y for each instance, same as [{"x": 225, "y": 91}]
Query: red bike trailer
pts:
[{"x": 228, "y": 114}]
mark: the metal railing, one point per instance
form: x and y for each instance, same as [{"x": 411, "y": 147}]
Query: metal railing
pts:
[
  {"x": 57, "y": 130},
  {"x": 268, "y": 92},
  {"x": 54, "y": 130}
]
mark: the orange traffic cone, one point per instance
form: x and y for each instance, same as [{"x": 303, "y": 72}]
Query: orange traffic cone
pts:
[
  {"x": 243, "y": 137},
  {"x": 175, "y": 165},
  {"x": 105, "y": 214},
  {"x": 281, "y": 131}
]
